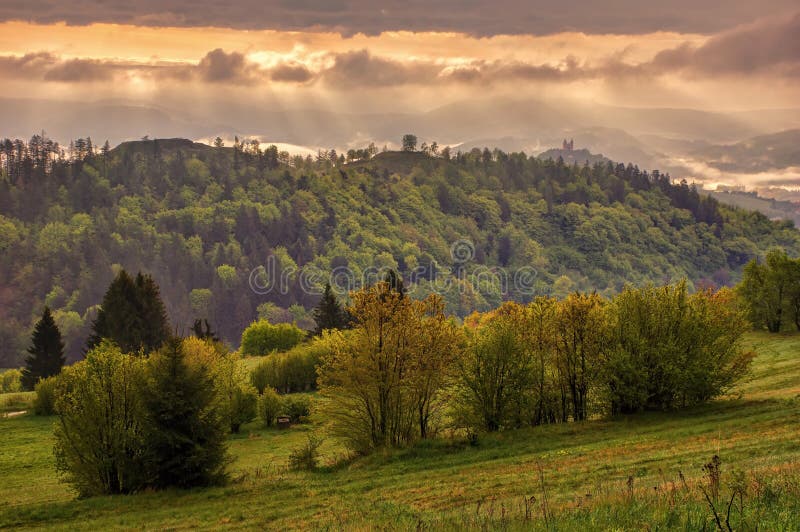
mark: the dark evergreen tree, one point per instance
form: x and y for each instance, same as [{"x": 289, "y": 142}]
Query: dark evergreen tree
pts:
[
  {"x": 132, "y": 315},
  {"x": 152, "y": 313},
  {"x": 185, "y": 433},
  {"x": 329, "y": 313},
  {"x": 118, "y": 316},
  {"x": 46, "y": 352}
]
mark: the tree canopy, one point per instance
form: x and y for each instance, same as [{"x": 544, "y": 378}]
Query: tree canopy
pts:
[{"x": 201, "y": 219}]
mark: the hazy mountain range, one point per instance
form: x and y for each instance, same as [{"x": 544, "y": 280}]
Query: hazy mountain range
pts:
[{"x": 751, "y": 148}]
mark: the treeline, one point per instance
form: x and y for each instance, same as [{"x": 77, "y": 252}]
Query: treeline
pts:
[
  {"x": 406, "y": 371},
  {"x": 200, "y": 219}
]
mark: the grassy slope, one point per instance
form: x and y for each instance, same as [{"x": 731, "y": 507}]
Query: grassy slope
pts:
[{"x": 583, "y": 464}]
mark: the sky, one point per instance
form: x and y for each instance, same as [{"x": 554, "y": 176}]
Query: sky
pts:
[{"x": 226, "y": 63}]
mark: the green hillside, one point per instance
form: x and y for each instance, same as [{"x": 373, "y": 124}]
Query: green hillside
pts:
[
  {"x": 622, "y": 473},
  {"x": 208, "y": 223}
]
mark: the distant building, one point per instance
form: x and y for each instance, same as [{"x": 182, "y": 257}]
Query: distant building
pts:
[{"x": 568, "y": 146}]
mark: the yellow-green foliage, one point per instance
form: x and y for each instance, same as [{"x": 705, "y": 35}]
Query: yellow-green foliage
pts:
[
  {"x": 269, "y": 406},
  {"x": 16, "y": 402},
  {"x": 671, "y": 349},
  {"x": 262, "y": 337},
  {"x": 98, "y": 440},
  {"x": 297, "y": 407},
  {"x": 44, "y": 403},
  {"x": 237, "y": 397},
  {"x": 10, "y": 381},
  {"x": 383, "y": 382},
  {"x": 446, "y": 484},
  {"x": 294, "y": 370},
  {"x": 651, "y": 348}
]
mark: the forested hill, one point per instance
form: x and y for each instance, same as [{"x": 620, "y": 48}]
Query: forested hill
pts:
[{"x": 200, "y": 219}]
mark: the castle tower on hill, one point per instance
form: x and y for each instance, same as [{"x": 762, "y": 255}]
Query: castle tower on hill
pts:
[{"x": 568, "y": 146}]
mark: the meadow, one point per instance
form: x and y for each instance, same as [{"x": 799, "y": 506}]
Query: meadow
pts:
[{"x": 641, "y": 471}]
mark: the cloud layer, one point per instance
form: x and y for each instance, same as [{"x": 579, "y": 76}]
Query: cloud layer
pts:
[
  {"x": 473, "y": 17},
  {"x": 770, "y": 47}
]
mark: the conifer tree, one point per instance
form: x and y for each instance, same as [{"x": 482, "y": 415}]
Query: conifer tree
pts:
[
  {"x": 132, "y": 315},
  {"x": 329, "y": 313},
  {"x": 118, "y": 316},
  {"x": 152, "y": 313},
  {"x": 185, "y": 432},
  {"x": 46, "y": 352}
]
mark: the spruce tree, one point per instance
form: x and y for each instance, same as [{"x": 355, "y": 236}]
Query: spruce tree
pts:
[
  {"x": 152, "y": 313},
  {"x": 184, "y": 430},
  {"x": 132, "y": 315},
  {"x": 118, "y": 317},
  {"x": 329, "y": 313},
  {"x": 46, "y": 352}
]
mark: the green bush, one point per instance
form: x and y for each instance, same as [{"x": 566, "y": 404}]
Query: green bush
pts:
[
  {"x": 269, "y": 406},
  {"x": 237, "y": 397},
  {"x": 297, "y": 407},
  {"x": 44, "y": 403},
  {"x": 290, "y": 372},
  {"x": 672, "y": 349},
  {"x": 261, "y": 337},
  {"x": 155, "y": 422},
  {"x": 10, "y": 381},
  {"x": 101, "y": 393},
  {"x": 243, "y": 407}
]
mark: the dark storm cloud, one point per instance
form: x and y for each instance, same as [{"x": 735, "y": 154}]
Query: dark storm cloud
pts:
[
  {"x": 767, "y": 46},
  {"x": 80, "y": 70},
  {"x": 289, "y": 72},
  {"x": 48, "y": 67},
  {"x": 221, "y": 67},
  {"x": 360, "y": 68},
  {"x": 475, "y": 17},
  {"x": 217, "y": 66}
]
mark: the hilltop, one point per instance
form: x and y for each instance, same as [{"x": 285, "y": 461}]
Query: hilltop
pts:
[{"x": 580, "y": 156}]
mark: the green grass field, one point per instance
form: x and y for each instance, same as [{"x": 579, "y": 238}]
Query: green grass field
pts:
[{"x": 605, "y": 474}]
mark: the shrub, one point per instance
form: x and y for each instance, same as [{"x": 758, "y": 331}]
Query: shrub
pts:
[
  {"x": 238, "y": 398},
  {"x": 10, "y": 381},
  {"x": 243, "y": 406},
  {"x": 154, "y": 422},
  {"x": 297, "y": 408},
  {"x": 101, "y": 392},
  {"x": 306, "y": 457},
  {"x": 293, "y": 371},
  {"x": 235, "y": 396},
  {"x": 261, "y": 337},
  {"x": 269, "y": 406},
  {"x": 672, "y": 349},
  {"x": 44, "y": 403}
]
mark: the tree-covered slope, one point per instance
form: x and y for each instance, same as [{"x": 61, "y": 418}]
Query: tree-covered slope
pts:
[{"x": 202, "y": 219}]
